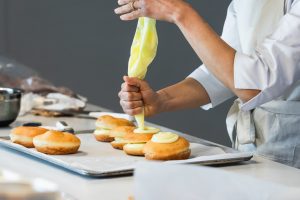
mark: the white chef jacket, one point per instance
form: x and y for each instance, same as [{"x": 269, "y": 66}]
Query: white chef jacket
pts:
[
  {"x": 269, "y": 123},
  {"x": 274, "y": 67}
]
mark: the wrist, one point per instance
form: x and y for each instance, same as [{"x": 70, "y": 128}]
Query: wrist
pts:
[
  {"x": 180, "y": 12},
  {"x": 162, "y": 101}
]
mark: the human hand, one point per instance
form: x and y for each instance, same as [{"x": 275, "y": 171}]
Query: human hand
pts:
[
  {"x": 166, "y": 10},
  {"x": 136, "y": 94}
]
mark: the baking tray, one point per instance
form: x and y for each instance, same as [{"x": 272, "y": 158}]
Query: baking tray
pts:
[{"x": 97, "y": 159}]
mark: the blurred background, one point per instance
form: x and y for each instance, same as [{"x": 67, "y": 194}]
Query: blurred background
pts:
[{"x": 83, "y": 45}]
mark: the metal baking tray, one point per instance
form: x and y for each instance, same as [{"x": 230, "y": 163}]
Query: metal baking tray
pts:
[{"x": 97, "y": 159}]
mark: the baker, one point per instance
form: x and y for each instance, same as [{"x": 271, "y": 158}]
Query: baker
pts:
[{"x": 257, "y": 59}]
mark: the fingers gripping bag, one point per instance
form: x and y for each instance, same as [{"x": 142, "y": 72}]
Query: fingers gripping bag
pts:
[{"x": 142, "y": 53}]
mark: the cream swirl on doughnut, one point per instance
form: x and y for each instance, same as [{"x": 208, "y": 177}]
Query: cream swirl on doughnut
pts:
[
  {"x": 165, "y": 137},
  {"x": 167, "y": 146},
  {"x": 137, "y": 139},
  {"x": 147, "y": 130}
]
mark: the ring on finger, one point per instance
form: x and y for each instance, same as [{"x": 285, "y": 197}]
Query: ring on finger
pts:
[{"x": 133, "y": 8}]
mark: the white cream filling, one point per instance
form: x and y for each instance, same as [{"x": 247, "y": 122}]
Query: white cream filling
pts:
[
  {"x": 146, "y": 130},
  {"x": 102, "y": 132},
  {"x": 100, "y": 125},
  {"x": 20, "y": 137},
  {"x": 120, "y": 140},
  {"x": 135, "y": 146},
  {"x": 54, "y": 144},
  {"x": 164, "y": 137}
]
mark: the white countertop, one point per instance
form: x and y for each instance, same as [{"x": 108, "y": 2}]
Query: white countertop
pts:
[{"x": 121, "y": 187}]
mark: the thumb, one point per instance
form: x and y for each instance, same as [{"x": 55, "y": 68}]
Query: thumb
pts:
[{"x": 133, "y": 81}]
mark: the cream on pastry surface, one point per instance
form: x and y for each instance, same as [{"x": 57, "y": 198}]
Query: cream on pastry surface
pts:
[
  {"x": 167, "y": 146},
  {"x": 165, "y": 137},
  {"x": 137, "y": 139},
  {"x": 147, "y": 129}
]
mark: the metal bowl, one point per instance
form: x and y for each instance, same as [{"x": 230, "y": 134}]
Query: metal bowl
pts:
[{"x": 10, "y": 102}]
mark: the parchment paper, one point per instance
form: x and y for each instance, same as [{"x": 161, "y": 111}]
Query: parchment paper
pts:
[{"x": 94, "y": 156}]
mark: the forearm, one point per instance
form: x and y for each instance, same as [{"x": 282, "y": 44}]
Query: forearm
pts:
[
  {"x": 216, "y": 54},
  {"x": 186, "y": 94}
]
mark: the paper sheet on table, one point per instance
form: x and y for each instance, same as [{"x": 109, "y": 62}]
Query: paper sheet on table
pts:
[
  {"x": 100, "y": 157},
  {"x": 178, "y": 182}
]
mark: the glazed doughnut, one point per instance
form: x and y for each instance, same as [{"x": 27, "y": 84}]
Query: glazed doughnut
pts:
[
  {"x": 167, "y": 146},
  {"x": 24, "y": 135},
  {"x": 105, "y": 124},
  {"x": 136, "y": 140},
  {"x": 56, "y": 143}
]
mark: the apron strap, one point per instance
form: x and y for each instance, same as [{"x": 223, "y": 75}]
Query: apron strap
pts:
[
  {"x": 282, "y": 107},
  {"x": 242, "y": 123}
]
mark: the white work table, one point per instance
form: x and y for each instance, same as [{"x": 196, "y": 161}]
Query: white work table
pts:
[{"x": 118, "y": 188}]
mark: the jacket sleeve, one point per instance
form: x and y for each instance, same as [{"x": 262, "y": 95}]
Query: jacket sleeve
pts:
[{"x": 274, "y": 67}]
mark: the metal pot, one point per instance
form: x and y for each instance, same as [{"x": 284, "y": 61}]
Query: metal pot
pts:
[{"x": 10, "y": 102}]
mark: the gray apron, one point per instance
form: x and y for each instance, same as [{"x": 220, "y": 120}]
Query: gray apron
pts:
[{"x": 271, "y": 130}]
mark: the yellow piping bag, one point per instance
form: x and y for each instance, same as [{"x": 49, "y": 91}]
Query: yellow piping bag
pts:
[{"x": 142, "y": 53}]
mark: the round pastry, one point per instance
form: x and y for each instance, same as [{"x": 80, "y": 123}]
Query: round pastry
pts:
[
  {"x": 136, "y": 140},
  {"x": 118, "y": 134},
  {"x": 118, "y": 143},
  {"x": 167, "y": 146},
  {"x": 141, "y": 136},
  {"x": 105, "y": 124},
  {"x": 56, "y": 143},
  {"x": 134, "y": 149},
  {"x": 24, "y": 135},
  {"x": 121, "y": 131}
]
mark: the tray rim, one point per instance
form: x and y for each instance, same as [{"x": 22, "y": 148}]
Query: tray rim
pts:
[
  {"x": 89, "y": 173},
  {"x": 236, "y": 158}
]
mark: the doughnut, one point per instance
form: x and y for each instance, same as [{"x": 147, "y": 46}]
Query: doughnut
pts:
[
  {"x": 118, "y": 143},
  {"x": 105, "y": 124},
  {"x": 118, "y": 134},
  {"x": 167, "y": 146},
  {"x": 134, "y": 149},
  {"x": 56, "y": 143},
  {"x": 137, "y": 139},
  {"x": 24, "y": 135}
]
